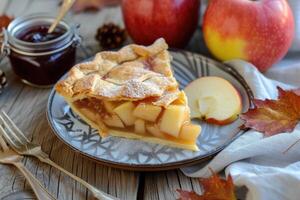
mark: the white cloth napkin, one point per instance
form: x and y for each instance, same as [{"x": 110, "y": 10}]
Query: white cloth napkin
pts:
[{"x": 263, "y": 164}]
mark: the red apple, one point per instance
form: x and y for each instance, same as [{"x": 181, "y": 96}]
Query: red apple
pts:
[
  {"x": 174, "y": 20},
  {"x": 258, "y": 31}
]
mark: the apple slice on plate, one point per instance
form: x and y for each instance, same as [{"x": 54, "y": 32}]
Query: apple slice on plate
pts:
[{"x": 214, "y": 100}]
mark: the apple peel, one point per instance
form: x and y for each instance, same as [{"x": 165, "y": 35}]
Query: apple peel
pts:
[{"x": 272, "y": 117}]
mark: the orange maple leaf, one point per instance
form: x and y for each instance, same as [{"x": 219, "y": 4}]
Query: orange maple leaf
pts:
[
  {"x": 84, "y": 5},
  {"x": 4, "y": 21},
  {"x": 214, "y": 189},
  {"x": 274, "y": 116}
]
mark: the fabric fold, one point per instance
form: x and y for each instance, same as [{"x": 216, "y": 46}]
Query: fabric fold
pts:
[{"x": 268, "y": 166}]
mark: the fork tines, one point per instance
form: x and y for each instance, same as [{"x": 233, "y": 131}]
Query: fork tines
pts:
[{"x": 11, "y": 132}]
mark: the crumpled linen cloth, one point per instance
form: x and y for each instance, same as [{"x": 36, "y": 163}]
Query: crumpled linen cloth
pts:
[{"x": 268, "y": 166}]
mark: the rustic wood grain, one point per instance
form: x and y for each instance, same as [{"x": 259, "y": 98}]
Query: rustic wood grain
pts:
[
  {"x": 27, "y": 106},
  {"x": 163, "y": 185}
]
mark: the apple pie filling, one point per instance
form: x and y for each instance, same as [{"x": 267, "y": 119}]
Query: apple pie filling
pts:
[
  {"x": 132, "y": 93},
  {"x": 141, "y": 118}
]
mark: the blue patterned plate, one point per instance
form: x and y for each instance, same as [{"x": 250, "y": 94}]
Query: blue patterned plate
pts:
[{"x": 137, "y": 155}]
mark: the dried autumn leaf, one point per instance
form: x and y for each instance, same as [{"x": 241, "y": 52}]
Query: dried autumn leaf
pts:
[
  {"x": 84, "y": 5},
  {"x": 214, "y": 189},
  {"x": 4, "y": 21},
  {"x": 274, "y": 116},
  {"x": 297, "y": 91}
]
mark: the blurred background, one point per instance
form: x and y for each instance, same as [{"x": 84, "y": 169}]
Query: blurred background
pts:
[{"x": 91, "y": 20}]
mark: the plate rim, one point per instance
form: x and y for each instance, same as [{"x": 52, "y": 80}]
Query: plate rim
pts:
[{"x": 173, "y": 165}]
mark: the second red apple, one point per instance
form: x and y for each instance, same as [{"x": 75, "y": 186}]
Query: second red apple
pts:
[{"x": 174, "y": 20}]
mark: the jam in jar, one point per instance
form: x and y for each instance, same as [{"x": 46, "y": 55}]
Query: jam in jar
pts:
[
  {"x": 37, "y": 57},
  {"x": 39, "y": 33}
]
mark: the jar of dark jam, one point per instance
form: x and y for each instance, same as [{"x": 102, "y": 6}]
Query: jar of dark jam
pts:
[{"x": 37, "y": 57}]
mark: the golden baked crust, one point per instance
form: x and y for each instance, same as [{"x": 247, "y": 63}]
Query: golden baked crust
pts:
[{"x": 133, "y": 73}]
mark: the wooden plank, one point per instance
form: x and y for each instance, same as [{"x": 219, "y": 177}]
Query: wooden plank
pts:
[
  {"x": 14, "y": 88},
  {"x": 6, "y": 180},
  {"x": 28, "y": 112},
  {"x": 26, "y": 105},
  {"x": 163, "y": 185},
  {"x": 11, "y": 180},
  {"x": 26, "y": 194}
]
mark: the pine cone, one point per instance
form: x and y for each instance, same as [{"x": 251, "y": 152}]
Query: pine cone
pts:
[
  {"x": 110, "y": 36},
  {"x": 3, "y": 81}
]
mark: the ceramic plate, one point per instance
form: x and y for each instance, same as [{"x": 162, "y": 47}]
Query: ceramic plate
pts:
[{"x": 137, "y": 155}]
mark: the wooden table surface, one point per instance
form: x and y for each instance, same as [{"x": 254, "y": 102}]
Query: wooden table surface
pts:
[{"x": 27, "y": 107}]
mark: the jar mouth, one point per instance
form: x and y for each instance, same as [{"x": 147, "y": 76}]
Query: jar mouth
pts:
[{"x": 22, "y": 23}]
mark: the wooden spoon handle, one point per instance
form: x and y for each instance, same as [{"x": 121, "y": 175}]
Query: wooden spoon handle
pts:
[{"x": 67, "y": 4}]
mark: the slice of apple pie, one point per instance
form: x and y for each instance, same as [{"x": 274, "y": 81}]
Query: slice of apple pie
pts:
[{"x": 132, "y": 93}]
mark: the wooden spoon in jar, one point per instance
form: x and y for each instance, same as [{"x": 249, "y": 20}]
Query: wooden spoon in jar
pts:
[{"x": 67, "y": 4}]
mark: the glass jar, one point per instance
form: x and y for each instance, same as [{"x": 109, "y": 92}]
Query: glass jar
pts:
[{"x": 37, "y": 57}]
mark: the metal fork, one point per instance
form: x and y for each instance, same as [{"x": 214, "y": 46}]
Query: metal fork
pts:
[
  {"x": 17, "y": 140},
  {"x": 8, "y": 156}
]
